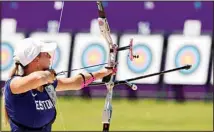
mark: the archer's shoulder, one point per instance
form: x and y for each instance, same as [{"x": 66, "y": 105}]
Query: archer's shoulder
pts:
[{"x": 8, "y": 81}]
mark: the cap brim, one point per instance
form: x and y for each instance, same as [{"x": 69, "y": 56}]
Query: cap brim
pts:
[{"x": 48, "y": 47}]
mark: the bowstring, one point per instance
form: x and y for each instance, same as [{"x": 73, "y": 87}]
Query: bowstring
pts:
[
  {"x": 59, "y": 24},
  {"x": 57, "y": 104}
]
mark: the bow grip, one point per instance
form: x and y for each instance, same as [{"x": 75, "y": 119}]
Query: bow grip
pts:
[{"x": 107, "y": 78}]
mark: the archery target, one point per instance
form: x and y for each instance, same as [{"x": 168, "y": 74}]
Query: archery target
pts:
[
  {"x": 92, "y": 55},
  {"x": 141, "y": 64},
  {"x": 60, "y": 57},
  {"x": 6, "y": 56},
  {"x": 188, "y": 55},
  {"x": 56, "y": 58},
  {"x": 8, "y": 43},
  {"x": 188, "y": 50},
  {"x": 149, "y": 49},
  {"x": 89, "y": 49}
]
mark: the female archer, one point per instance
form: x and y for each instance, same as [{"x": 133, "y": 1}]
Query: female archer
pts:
[{"x": 30, "y": 96}]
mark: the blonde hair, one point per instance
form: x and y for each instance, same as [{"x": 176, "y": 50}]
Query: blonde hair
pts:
[{"x": 15, "y": 71}]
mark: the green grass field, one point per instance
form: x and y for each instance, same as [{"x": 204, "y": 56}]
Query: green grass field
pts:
[{"x": 79, "y": 114}]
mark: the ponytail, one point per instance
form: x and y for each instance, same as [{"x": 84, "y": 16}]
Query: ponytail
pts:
[{"x": 15, "y": 71}]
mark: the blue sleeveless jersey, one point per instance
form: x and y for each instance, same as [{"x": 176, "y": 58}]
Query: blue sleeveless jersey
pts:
[{"x": 33, "y": 109}]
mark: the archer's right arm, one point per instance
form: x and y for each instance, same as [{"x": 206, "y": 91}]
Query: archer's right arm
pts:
[{"x": 32, "y": 81}]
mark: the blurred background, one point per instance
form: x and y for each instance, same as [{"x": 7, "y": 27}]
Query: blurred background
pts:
[{"x": 166, "y": 35}]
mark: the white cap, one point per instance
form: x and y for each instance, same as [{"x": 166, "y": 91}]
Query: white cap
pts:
[{"x": 28, "y": 49}]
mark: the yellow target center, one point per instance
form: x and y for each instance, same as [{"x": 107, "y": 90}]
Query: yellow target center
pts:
[
  {"x": 4, "y": 57},
  {"x": 140, "y": 60},
  {"x": 188, "y": 59},
  {"x": 93, "y": 58}
]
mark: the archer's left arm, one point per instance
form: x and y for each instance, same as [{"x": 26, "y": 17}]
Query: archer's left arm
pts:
[{"x": 77, "y": 82}]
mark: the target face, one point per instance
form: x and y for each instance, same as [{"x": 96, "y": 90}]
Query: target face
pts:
[
  {"x": 6, "y": 56},
  {"x": 148, "y": 48},
  {"x": 88, "y": 50},
  {"x": 56, "y": 57},
  {"x": 188, "y": 50},
  {"x": 93, "y": 54},
  {"x": 188, "y": 55},
  {"x": 141, "y": 64}
]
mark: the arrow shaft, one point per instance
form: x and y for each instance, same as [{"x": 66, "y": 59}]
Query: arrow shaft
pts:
[
  {"x": 145, "y": 76},
  {"x": 150, "y": 75}
]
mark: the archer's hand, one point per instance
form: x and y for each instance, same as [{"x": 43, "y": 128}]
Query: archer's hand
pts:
[
  {"x": 108, "y": 71},
  {"x": 53, "y": 72},
  {"x": 52, "y": 75}
]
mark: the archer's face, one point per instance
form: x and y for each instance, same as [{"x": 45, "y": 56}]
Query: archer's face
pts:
[{"x": 44, "y": 60}]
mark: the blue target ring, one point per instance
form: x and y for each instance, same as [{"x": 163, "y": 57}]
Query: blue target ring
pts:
[
  {"x": 56, "y": 58},
  {"x": 6, "y": 56},
  {"x": 141, "y": 64},
  {"x": 92, "y": 55},
  {"x": 188, "y": 55}
]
